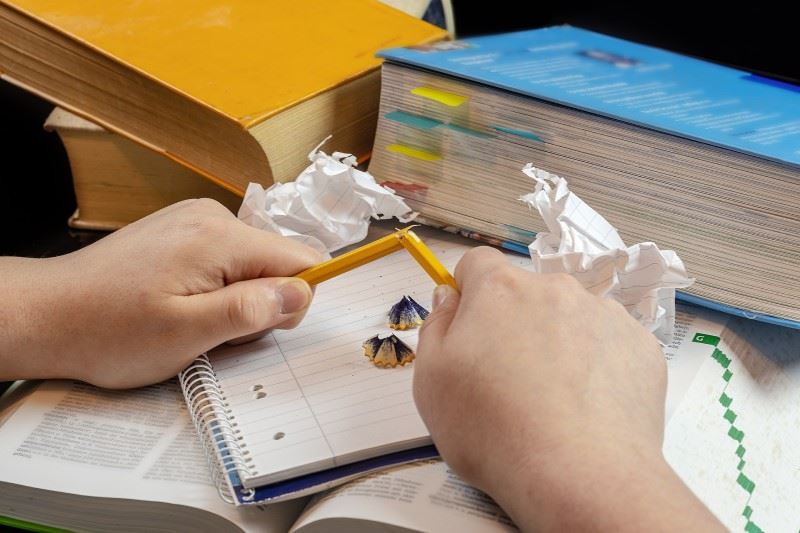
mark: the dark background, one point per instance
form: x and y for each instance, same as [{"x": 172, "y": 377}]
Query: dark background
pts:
[{"x": 36, "y": 197}]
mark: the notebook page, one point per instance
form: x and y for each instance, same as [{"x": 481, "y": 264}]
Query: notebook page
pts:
[{"x": 308, "y": 399}]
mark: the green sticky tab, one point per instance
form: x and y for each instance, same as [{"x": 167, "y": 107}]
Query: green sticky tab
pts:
[
  {"x": 415, "y": 121},
  {"x": 748, "y": 511},
  {"x": 745, "y": 483},
  {"x": 519, "y": 133},
  {"x": 725, "y": 400},
  {"x": 705, "y": 338},
  {"x": 740, "y": 466},
  {"x": 736, "y": 434},
  {"x": 727, "y": 375},
  {"x": 750, "y": 527},
  {"x": 730, "y": 416},
  {"x": 740, "y": 451}
]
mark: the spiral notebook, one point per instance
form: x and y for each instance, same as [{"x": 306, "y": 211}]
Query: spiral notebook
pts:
[{"x": 302, "y": 410}]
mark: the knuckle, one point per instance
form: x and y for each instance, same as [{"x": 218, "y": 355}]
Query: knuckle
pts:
[
  {"x": 476, "y": 256},
  {"x": 206, "y": 205},
  {"x": 311, "y": 256},
  {"x": 247, "y": 312},
  {"x": 503, "y": 278},
  {"x": 482, "y": 253},
  {"x": 472, "y": 260}
]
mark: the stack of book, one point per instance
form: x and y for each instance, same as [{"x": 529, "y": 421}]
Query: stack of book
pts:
[
  {"x": 118, "y": 181},
  {"x": 696, "y": 157},
  {"x": 236, "y": 93}
]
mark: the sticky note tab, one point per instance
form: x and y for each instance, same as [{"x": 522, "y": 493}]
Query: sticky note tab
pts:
[
  {"x": 519, "y": 133},
  {"x": 416, "y": 153},
  {"x": 525, "y": 234},
  {"x": 443, "y": 97},
  {"x": 469, "y": 131},
  {"x": 415, "y": 121}
]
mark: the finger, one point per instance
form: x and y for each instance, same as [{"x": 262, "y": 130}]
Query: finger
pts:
[
  {"x": 257, "y": 253},
  {"x": 436, "y": 325},
  {"x": 476, "y": 263},
  {"x": 247, "y": 307},
  {"x": 248, "y": 338}
]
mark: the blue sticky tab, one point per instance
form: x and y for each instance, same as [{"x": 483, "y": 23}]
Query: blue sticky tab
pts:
[
  {"x": 519, "y": 133},
  {"x": 469, "y": 131},
  {"x": 415, "y": 121}
]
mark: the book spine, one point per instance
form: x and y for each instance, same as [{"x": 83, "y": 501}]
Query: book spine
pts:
[{"x": 217, "y": 427}]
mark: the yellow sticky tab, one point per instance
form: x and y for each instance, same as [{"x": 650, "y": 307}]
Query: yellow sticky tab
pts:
[
  {"x": 443, "y": 97},
  {"x": 416, "y": 153}
]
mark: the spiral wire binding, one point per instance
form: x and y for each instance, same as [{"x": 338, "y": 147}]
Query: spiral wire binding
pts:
[{"x": 215, "y": 423}]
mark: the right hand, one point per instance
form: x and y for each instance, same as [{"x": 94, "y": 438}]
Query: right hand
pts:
[
  {"x": 545, "y": 396},
  {"x": 138, "y": 305}
]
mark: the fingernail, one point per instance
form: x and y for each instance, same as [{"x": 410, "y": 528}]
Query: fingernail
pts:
[
  {"x": 295, "y": 296},
  {"x": 440, "y": 294}
]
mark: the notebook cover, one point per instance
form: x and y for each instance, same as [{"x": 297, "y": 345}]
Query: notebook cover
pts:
[{"x": 325, "y": 479}]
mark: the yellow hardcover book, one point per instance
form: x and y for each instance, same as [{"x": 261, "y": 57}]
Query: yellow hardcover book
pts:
[{"x": 237, "y": 90}]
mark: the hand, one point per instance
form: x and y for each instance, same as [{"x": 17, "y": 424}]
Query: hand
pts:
[
  {"x": 137, "y": 306},
  {"x": 548, "y": 398}
]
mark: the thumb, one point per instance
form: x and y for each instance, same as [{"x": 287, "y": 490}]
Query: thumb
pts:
[
  {"x": 249, "y": 306},
  {"x": 445, "y": 305}
]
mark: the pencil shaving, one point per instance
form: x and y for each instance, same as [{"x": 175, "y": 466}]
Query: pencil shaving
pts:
[
  {"x": 407, "y": 314},
  {"x": 388, "y": 352}
]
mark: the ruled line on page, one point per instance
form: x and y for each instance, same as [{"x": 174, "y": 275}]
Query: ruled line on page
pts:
[{"x": 317, "y": 374}]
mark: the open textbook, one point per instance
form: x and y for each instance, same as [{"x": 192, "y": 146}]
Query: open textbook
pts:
[
  {"x": 86, "y": 459},
  {"x": 734, "y": 438}
]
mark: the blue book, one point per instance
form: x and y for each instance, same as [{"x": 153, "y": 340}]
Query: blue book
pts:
[
  {"x": 707, "y": 112},
  {"x": 576, "y": 68}
]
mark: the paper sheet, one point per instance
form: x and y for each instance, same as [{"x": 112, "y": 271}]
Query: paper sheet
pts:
[
  {"x": 328, "y": 206},
  {"x": 582, "y": 243}
]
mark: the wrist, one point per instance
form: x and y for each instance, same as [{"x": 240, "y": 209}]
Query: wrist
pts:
[
  {"x": 29, "y": 318},
  {"x": 601, "y": 487}
]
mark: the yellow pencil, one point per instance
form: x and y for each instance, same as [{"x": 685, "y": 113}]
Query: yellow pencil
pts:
[{"x": 404, "y": 238}]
